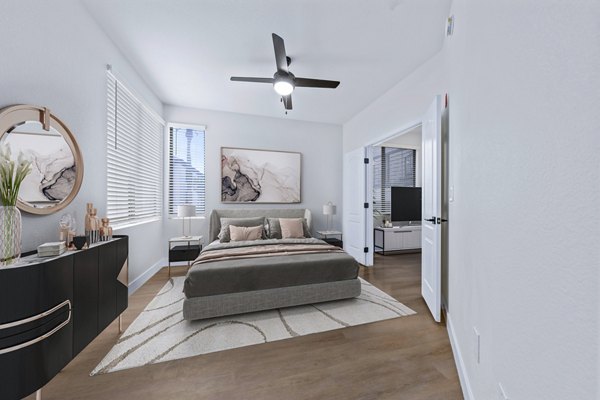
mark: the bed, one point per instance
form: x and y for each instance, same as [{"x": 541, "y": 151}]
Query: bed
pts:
[{"x": 239, "y": 277}]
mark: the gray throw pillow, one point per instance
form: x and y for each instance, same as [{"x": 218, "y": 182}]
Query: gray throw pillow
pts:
[
  {"x": 275, "y": 228},
  {"x": 224, "y": 236}
]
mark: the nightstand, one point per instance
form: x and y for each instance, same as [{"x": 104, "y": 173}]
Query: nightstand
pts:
[
  {"x": 189, "y": 251},
  {"x": 334, "y": 238}
]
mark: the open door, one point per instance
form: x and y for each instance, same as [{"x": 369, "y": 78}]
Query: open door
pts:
[
  {"x": 354, "y": 194},
  {"x": 431, "y": 252}
]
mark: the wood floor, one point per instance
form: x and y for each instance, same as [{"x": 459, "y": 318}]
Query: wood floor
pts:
[{"x": 402, "y": 358}]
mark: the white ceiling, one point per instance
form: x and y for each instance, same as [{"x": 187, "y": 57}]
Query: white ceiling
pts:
[{"x": 186, "y": 50}]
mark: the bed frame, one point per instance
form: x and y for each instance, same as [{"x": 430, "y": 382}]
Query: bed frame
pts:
[{"x": 259, "y": 300}]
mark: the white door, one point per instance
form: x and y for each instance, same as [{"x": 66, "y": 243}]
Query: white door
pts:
[
  {"x": 354, "y": 193},
  {"x": 431, "y": 260}
]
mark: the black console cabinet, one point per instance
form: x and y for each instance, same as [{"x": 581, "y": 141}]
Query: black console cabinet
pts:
[{"x": 50, "y": 309}]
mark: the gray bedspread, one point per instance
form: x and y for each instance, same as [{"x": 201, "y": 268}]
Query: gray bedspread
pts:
[{"x": 269, "y": 272}]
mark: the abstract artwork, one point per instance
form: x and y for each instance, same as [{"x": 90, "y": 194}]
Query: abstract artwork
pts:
[
  {"x": 53, "y": 171},
  {"x": 260, "y": 176}
]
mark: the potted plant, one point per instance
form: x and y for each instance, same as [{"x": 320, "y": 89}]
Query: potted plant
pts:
[{"x": 11, "y": 176}]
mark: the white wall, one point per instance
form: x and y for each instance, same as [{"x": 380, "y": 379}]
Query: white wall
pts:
[
  {"x": 54, "y": 55},
  {"x": 524, "y": 246},
  {"x": 524, "y": 252},
  {"x": 398, "y": 109},
  {"x": 320, "y": 145}
]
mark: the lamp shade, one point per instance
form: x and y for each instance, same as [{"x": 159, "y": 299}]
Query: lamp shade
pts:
[
  {"x": 329, "y": 209},
  {"x": 186, "y": 210}
]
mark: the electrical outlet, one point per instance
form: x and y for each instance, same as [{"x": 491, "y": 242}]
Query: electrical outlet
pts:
[
  {"x": 501, "y": 393},
  {"x": 477, "y": 345}
]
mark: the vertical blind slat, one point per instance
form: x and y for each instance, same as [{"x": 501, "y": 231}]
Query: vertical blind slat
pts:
[
  {"x": 134, "y": 156},
  {"x": 391, "y": 167},
  {"x": 186, "y": 169}
]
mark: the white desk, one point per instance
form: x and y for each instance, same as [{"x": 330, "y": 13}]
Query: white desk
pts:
[{"x": 407, "y": 237}]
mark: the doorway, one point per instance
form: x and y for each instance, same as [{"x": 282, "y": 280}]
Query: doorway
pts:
[
  {"x": 395, "y": 187},
  {"x": 413, "y": 220}
]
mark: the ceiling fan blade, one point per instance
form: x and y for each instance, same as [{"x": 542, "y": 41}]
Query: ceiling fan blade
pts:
[
  {"x": 315, "y": 83},
  {"x": 247, "y": 79},
  {"x": 280, "y": 54},
  {"x": 287, "y": 101}
]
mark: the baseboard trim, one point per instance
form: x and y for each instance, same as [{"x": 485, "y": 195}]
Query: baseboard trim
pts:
[
  {"x": 465, "y": 384},
  {"x": 147, "y": 274}
]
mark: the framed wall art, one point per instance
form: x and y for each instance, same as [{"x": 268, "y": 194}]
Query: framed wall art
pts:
[{"x": 260, "y": 176}]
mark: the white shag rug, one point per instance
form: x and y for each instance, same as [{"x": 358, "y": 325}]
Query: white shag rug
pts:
[{"x": 160, "y": 333}]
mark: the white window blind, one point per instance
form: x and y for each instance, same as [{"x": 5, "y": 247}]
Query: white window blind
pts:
[
  {"x": 134, "y": 157},
  {"x": 187, "y": 181},
  {"x": 391, "y": 167}
]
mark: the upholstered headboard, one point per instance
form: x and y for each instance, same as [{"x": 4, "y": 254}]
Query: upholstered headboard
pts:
[{"x": 216, "y": 215}]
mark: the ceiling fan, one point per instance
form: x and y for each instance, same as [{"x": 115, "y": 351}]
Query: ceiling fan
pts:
[{"x": 283, "y": 81}]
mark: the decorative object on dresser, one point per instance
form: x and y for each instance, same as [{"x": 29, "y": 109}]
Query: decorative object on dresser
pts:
[
  {"x": 260, "y": 176},
  {"x": 12, "y": 174},
  {"x": 79, "y": 241},
  {"x": 184, "y": 252},
  {"x": 186, "y": 211},
  {"x": 57, "y": 307},
  {"x": 106, "y": 231},
  {"x": 329, "y": 209},
  {"x": 92, "y": 225},
  {"x": 66, "y": 227},
  {"x": 57, "y": 166},
  {"x": 51, "y": 249},
  {"x": 407, "y": 237}
]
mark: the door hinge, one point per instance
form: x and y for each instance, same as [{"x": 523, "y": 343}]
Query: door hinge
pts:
[
  {"x": 366, "y": 205},
  {"x": 366, "y": 249},
  {"x": 366, "y": 160}
]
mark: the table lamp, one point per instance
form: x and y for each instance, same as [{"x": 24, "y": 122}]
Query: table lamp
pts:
[
  {"x": 186, "y": 211},
  {"x": 329, "y": 210}
]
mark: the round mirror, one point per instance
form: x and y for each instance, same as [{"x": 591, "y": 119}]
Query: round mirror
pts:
[{"x": 56, "y": 165}]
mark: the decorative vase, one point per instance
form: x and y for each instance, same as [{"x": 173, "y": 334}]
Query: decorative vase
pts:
[
  {"x": 10, "y": 234},
  {"x": 79, "y": 241},
  {"x": 88, "y": 222}
]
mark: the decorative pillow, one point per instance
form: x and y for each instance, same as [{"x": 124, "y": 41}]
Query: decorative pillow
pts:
[
  {"x": 291, "y": 228},
  {"x": 274, "y": 231},
  {"x": 241, "y": 233},
  {"x": 224, "y": 236}
]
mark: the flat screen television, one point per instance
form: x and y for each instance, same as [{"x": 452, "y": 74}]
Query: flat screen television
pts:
[{"x": 406, "y": 204}]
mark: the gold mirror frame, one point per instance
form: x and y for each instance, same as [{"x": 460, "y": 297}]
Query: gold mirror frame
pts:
[{"x": 19, "y": 114}]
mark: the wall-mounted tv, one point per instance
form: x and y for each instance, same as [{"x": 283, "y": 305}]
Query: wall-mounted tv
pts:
[{"x": 406, "y": 204}]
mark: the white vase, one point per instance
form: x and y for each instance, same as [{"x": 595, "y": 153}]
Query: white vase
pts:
[{"x": 10, "y": 235}]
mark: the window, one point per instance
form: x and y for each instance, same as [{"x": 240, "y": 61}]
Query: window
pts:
[
  {"x": 391, "y": 167},
  {"x": 187, "y": 181},
  {"x": 134, "y": 157}
]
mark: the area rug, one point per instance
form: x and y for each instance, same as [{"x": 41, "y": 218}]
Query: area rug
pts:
[{"x": 160, "y": 333}]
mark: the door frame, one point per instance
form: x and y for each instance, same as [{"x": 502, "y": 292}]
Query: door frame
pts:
[{"x": 369, "y": 182}]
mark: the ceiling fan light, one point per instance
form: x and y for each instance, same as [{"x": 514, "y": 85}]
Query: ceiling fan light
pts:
[{"x": 283, "y": 87}]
